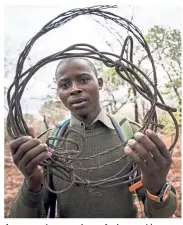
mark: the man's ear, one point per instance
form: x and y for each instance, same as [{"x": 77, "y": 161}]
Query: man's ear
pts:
[{"x": 100, "y": 82}]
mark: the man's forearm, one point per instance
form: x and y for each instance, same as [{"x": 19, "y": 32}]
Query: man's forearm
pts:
[{"x": 27, "y": 204}]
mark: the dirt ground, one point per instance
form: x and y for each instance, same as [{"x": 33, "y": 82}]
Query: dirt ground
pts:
[{"x": 13, "y": 178}]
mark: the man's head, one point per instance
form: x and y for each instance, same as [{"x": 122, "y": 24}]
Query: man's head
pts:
[{"x": 78, "y": 86}]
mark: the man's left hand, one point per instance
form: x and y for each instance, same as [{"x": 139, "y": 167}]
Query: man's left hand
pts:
[{"x": 151, "y": 155}]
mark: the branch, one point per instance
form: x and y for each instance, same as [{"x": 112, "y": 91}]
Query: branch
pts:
[
  {"x": 169, "y": 76},
  {"x": 109, "y": 30},
  {"x": 146, "y": 56}
]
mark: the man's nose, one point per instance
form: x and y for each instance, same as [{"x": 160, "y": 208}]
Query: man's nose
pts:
[{"x": 75, "y": 89}]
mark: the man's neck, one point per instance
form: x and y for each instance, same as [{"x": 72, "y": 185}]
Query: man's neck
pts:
[{"x": 88, "y": 119}]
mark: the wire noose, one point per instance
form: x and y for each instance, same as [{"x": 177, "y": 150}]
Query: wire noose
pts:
[{"x": 63, "y": 160}]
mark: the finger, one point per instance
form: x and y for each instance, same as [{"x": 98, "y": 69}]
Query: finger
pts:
[
  {"x": 34, "y": 163},
  {"x": 32, "y": 131},
  {"x": 128, "y": 150},
  {"x": 25, "y": 148},
  {"x": 150, "y": 146},
  {"x": 142, "y": 152},
  {"x": 159, "y": 143},
  {"x": 15, "y": 144},
  {"x": 33, "y": 172},
  {"x": 31, "y": 154}
]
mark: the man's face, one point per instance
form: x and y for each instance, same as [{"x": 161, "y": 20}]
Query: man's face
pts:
[{"x": 78, "y": 87}]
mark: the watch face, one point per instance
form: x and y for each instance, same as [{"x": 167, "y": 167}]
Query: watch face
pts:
[{"x": 166, "y": 192}]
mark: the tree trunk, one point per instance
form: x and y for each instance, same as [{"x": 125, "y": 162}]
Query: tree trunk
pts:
[
  {"x": 136, "y": 106},
  {"x": 45, "y": 122}
]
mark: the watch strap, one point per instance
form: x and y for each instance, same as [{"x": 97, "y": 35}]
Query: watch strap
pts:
[{"x": 164, "y": 193}]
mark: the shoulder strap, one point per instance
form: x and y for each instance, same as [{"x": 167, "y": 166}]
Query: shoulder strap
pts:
[
  {"x": 57, "y": 130},
  {"x": 125, "y": 132},
  {"x": 123, "y": 128}
]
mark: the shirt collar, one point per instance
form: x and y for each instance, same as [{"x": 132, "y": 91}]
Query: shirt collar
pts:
[{"x": 102, "y": 117}]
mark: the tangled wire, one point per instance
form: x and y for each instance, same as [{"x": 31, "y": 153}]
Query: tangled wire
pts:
[{"x": 62, "y": 160}]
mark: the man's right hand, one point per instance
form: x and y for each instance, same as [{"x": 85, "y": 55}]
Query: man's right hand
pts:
[{"x": 28, "y": 153}]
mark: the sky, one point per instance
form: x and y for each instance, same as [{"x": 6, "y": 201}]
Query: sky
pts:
[{"x": 22, "y": 22}]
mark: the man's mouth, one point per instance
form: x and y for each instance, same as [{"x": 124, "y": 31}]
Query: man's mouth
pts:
[{"x": 78, "y": 103}]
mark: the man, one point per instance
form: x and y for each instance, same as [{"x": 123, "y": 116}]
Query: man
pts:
[{"x": 78, "y": 89}]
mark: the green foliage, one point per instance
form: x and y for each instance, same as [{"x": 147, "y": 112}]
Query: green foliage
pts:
[
  {"x": 165, "y": 119},
  {"x": 167, "y": 43},
  {"x": 111, "y": 76}
]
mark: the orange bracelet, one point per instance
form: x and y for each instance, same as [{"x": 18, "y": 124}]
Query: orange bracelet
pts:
[{"x": 137, "y": 185}]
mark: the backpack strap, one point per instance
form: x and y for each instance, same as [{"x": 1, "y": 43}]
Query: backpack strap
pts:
[
  {"x": 123, "y": 129},
  {"x": 125, "y": 132},
  {"x": 56, "y": 131}
]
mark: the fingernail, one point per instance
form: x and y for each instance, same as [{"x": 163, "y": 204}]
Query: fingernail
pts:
[
  {"x": 44, "y": 145},
  {"x": 48, "y": 149},
  {"x": 131, "y": 142},
  {"x": 138, "y": 135},
  {"x": 52, "y": 150},
  {"x": 127, "y": 149},
  {"x": 148, "y": 132},
  {"x": 48, "y": 154}
]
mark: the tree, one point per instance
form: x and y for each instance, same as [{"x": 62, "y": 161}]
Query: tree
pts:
[
  {"x": 139, "y": 57},
  {"x": 165, "y": 46},
  {"x": 29, "y": 118},
  {"x": 167, "y": 55},
  {"x": 116, "y": 92},
  {"x": 52, "y": 112}
]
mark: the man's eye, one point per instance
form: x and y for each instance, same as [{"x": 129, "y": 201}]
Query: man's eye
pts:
[
  {"x": 84, "y": 80},
  {"x": 64, "y": 86}
]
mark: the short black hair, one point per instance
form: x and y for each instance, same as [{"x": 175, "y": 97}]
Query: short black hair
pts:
[{"x": 90, "y": 64}]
